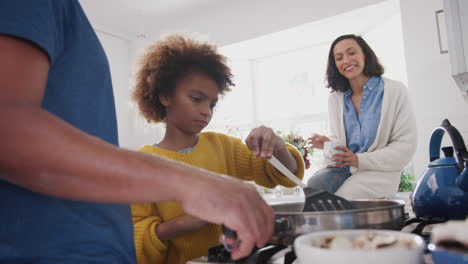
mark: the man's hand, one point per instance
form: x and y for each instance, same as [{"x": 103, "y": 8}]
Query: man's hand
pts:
[{"x": 235, "y": 204}]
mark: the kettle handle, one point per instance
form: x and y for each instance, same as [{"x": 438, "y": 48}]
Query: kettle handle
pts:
[{"x": 457, "y": 141}]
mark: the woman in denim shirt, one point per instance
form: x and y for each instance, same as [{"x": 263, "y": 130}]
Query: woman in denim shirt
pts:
[{"x": 372, "y": 117}]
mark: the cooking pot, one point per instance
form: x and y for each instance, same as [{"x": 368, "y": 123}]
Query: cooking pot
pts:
[{"x": 291, "y": 222}]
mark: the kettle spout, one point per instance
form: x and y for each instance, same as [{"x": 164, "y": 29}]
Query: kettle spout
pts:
[{"x": 462, "y": 180}]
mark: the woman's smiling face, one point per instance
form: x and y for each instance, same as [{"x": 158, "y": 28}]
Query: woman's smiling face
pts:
[{"x": 349, "y": 59}]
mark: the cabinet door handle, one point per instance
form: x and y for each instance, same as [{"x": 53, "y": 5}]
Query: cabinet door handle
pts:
[{"x": 437, "y": 15}]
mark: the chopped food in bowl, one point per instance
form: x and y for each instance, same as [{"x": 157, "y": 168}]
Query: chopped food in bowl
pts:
[
  {"x": 370, "y": 240},
  {"x": 359, "y": 246}
]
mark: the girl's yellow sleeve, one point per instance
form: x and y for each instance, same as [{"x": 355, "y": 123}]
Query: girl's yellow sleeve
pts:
[{"x": 149, "y": 249}]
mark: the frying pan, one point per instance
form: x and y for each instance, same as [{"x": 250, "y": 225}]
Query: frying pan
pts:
[{"x": 291, "y": 221}]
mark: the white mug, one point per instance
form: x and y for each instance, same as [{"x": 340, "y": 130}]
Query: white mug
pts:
[{"x": 328, "y": 152}]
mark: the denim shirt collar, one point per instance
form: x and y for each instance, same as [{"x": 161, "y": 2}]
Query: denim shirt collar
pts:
[{"x": 369, "y": 85}]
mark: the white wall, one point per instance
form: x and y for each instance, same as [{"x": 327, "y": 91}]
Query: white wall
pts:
[
  {"x": 142, "y": 132},
  {"x": 117, "y": 51},
  {"x": 134, "y": 131},
  {"x": 433, "y": 92}
]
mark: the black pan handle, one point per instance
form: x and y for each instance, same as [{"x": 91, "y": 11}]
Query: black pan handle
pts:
[
  {"x": 282, "y": 225},
  {"x": 228, "y": 233}
]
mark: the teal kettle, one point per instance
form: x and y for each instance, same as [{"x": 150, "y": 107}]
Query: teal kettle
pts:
[{"x": 442, "y": 191}]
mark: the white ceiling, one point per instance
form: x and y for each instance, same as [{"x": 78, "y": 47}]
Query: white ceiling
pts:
[
  {"x": 323, "y": 32},
  {"x": 131, "y": 17},
  {"x": 225, "y": 21}
]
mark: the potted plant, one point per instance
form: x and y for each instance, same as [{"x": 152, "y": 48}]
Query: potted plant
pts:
[
  {"x": 301, "y": 145},
  {"x": 407, "y": 182}
]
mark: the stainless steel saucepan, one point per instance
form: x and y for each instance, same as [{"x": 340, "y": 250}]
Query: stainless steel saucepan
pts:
[{"x": 291, "y": 222}]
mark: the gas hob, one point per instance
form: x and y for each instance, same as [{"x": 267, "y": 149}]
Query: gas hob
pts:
[{"x": 271, "y": 254}]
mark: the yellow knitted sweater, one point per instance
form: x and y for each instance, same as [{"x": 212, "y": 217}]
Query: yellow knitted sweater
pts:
[{"x": 215, "y": 152}]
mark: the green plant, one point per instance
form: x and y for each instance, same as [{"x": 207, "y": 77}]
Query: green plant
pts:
[{"x": 407, "y": 179}]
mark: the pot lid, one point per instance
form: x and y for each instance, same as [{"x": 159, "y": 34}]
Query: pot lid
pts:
[{"x": 443, "y": 162}]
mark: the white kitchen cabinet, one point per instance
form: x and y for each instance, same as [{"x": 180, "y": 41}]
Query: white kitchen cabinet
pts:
[{"x": 456, "y": 21}]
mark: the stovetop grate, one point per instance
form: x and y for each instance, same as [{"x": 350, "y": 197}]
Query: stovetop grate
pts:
[{"x": 218, "y": 254}]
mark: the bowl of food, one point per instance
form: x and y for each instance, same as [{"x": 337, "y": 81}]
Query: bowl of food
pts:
[{"x": 359, "y": 246}]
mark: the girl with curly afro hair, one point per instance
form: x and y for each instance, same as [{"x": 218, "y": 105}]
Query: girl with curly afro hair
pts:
[{"x": 178, "y": 83}]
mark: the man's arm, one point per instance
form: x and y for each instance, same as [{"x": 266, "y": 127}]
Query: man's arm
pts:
[{"x": 44, "y": 154}]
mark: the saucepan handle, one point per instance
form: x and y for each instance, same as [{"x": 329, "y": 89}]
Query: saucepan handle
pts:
[
  {"x": 231, "y": 234},
  {"x": 282, "y": 225}
]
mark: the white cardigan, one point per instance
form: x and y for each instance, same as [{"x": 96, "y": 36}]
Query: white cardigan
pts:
[{"x": 379, "y": 169}]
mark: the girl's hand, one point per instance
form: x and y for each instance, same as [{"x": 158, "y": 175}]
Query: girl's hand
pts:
[
  {"x": 317, "y": 141},
  {"x": 263, "y": 141},
  {"x": 345, "y": 158},
  {"x": 192, "y": 223},
  {"x": 177, "y": 226}
]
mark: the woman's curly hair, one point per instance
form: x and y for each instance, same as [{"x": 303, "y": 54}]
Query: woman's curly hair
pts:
[{"x": 169, "y": 60}]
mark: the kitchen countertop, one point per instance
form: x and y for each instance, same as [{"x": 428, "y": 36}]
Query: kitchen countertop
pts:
[{"x": 272, "y": 200}]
